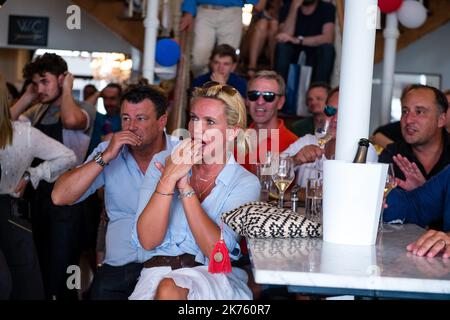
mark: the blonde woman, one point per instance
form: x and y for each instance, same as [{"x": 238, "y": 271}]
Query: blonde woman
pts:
[
  {"x": 19, "y": 144},
  {"x": 182, "y": 200}
]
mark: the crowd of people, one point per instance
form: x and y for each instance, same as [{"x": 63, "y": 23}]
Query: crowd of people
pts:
[{"x": 149, "y": 203}]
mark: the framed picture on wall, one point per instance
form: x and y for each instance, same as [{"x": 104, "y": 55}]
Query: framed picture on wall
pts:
[
  {"x": 27, "y": 30},
  {"x": 404, "y": 79}
]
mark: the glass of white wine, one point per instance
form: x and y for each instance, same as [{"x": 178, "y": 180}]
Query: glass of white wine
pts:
[
  {"x": 264, "y": 174},
  {"x": 391, "y": 183},
  {"x": 323, "y": 135},
  {"x": 283, "y": 175}
]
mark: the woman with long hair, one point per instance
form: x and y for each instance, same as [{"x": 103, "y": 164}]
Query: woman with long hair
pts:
[{"x": 19, "y": 145}]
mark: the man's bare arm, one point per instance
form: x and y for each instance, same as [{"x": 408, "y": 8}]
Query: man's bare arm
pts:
[{"x": 72, "y": 116}]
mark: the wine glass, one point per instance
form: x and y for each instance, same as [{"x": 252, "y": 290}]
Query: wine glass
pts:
[
  {"x": 264, "y": 174},
  {"x": 283, "y": 175},
  {"x": 390, "y": 184},
  {"x": 323, "y": 135}
]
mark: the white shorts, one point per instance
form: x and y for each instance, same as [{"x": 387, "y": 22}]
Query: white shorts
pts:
[{"x": 202, "y": 285}]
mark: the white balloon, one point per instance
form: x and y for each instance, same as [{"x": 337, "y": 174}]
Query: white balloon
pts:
[
  {"x": 412, "y": 14},
  {"x": 165, "y": 73}
]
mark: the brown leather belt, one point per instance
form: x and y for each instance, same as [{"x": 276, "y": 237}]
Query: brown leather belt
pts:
[{"x": 176, "y": 262}]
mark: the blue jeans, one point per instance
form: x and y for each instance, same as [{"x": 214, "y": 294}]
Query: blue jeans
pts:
[
  {"x": 321, "y": 59},
  {"x": 115, "y": 283}
]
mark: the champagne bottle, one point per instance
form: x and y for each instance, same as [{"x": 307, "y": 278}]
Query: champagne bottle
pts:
[{"x": 361, "y": 153}]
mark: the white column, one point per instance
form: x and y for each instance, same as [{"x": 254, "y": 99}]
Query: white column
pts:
[
  {"x": 151, "y": 24},
  {"x": 391, "y": 35},
  {"x": 136, "y": 69},
  {"x": 356, "y": 76},
  {"x": 165, "y": 14},
  {"x": 130, "y": 8}
]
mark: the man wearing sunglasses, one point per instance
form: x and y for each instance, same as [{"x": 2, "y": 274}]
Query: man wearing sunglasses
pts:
[
  {"x": 308, "y": 156},
  {"x": 265, "y": 96}
]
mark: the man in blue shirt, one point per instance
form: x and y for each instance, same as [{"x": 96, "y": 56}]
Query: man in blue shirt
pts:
[
  {"x": 104, "y": 126},
  {"x": 110, "y": 122},
  {"x": 423, "y": 206},
  {"x": 223, "y": 62},
  {"x": 119, "y": 165},
  {"x": 216, "y": 21}
]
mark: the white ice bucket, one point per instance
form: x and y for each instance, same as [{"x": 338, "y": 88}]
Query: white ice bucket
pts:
[
  {"x": 348, "y": 259},
  {"x": 352, "y": 200}
]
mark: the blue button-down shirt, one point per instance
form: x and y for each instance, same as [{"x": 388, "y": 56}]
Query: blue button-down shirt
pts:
[
  {"x": 122, "y": 180},
  {"x": 190, "y": 6},
  {"x": 234, "y": 187},
  {"x": 424, "y": 205}
]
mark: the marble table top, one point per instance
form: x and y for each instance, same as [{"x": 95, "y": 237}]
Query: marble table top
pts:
[{"x": 386, "y": 266}]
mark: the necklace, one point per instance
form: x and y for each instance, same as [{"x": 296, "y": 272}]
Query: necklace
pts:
[
  {"x": 207, "y": 176},
  {"x": 200, "y": 194}
]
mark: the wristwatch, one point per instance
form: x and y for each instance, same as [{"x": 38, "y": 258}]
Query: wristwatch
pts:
[
  {"x": 300, "y": 40},
  {"x": 99, "y": 159},
  {"x": 26, "y": 176}
]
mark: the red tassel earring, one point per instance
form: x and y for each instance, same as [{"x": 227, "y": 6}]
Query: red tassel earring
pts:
[{"x": 219, "y": 261}]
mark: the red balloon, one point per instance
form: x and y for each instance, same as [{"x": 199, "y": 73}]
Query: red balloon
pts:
[{"x": 388, "y": 6}]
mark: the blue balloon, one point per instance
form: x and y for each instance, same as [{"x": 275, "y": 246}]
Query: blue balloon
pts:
[{"x": 167, "y": 52}]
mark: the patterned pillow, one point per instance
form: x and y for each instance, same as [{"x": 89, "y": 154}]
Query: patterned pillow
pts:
[{"x": 264, "y": 220}]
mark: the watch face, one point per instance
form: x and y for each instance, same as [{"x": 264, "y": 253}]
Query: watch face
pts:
[{"x": 98, "y": 157}]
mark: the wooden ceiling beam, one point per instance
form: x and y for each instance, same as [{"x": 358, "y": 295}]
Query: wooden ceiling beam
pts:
[{"x": 111, "y": 15}]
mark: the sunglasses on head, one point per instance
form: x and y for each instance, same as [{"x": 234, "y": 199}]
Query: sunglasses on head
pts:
[
  {"x": 330, "y": 111},
  {"x": 224, "y": 87},
  {"x": 267, "y": 95}
]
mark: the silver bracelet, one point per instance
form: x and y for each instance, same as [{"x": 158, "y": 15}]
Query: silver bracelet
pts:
[{"x": 186, "y": 194}]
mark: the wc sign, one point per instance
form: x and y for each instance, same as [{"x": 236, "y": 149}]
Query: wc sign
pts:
[{"x": 27, "y": 30}]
